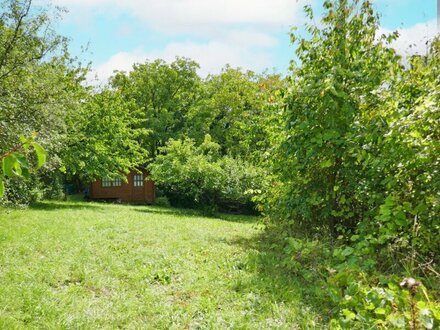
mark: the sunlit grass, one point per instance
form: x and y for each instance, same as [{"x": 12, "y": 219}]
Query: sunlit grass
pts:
[{"x": 76, "y": 265}]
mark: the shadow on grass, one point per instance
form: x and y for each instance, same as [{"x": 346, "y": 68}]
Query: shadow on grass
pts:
[
  {"x": 60, "y": 205},
  {"x": 192, "y": 213},
  {"x": 282, "y": 286},
  {"x": 239, "y": 218}
]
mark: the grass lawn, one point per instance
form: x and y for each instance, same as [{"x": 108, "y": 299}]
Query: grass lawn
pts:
[{"x": 77, "y": 265}]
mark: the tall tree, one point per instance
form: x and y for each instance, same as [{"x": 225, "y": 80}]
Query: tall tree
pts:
[
  {"x": 233, "y": 110},
  {"x": 163, "y": 94},
  {"x": 102, "y": 138},
  {"x": 343, "y": 66},
  {"x": 39, "y": 81}
]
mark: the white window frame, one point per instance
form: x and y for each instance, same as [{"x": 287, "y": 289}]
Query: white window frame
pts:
[
  {"x": 138, "y": 180},
  {"x": 108, "y": 183}
]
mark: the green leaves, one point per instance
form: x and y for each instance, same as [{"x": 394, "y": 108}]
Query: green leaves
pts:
[
  {"x": 349, "y": 315},
  {"x": 353, "y": 155},
  {"x": 326, "y": 163},
  {"x": 104, "y": 138},
  {"x": 16, "y": 161},
  {"x": 8, "y": 165},
  {"x": 162, "y": 95},
  {"x": 363, "y": 305},
  {"x": 41, "y": 155},
  {"x": 200, "y": 176}
]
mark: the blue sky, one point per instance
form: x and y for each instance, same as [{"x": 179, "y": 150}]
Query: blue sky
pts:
[{"x": 252, "y": 34}]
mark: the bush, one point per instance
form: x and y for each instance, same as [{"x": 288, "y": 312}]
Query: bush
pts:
[
  {"x": 360, "y": 144},
  {"x": 52, "y": 181},
  {"x": 199, "y": 176},
  {"x": 354, "y": 293},
  {"x": 162, "y": 201},
  {"x": 386, "y": 305},
  {"x": 21, "y": 192}
]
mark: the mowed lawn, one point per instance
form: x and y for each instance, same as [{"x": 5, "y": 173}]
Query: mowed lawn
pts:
[{"x": 77, "y": 265}]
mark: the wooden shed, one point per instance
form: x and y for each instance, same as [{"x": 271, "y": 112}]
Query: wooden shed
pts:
[{"x": 138, "y": 189}]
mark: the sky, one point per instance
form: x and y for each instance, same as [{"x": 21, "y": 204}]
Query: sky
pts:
[{"x": 251, "y": 34}]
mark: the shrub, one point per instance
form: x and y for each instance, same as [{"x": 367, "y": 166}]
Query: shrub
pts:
[
  {"x": 20, "y": 192},
  {"x": 355, "y": 294},
  {"x": 360, "y": 145},
  {"x": 385, "y": 305},
  {"x": 199, "y": 176},
  {"x": 162, "y": 201}
]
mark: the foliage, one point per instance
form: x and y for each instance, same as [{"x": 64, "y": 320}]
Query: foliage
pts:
[
  {"x": 357, "y": 296},
  {"x": 163, "y": 95},
  {"x": 360, "y": 145},
  {"x": 233, "y": 110},
  {"x": 340, "y": 65},
  {"x": 201, "y": 176},
  {"x": 385, "y": 305},
  {"x": 16, "y": 162},
  {"x": 39, "y": 82},
  {"x": 401, "y": 169},
  {"x": 173, "y": 101},
  {"x": 162, "y": 201},
  {"x": 357, "y": 160},
  {"x": 101, "y": 140}
]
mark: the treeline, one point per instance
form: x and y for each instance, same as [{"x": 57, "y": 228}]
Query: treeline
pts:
[
  {"x": 202, "y": 139},
  {"x": 132, "y": 122}
]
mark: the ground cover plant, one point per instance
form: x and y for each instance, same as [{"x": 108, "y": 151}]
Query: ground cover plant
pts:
[{"x": 70, "y": 265}]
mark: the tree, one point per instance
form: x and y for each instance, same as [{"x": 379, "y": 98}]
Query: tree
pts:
[
  {"x": 103, "y": 138},
  {"x": 163, "y": 95},
  {"x": 39, "y": 82},
  {"x": 359, "y": 147},
  {"x": 342, "y": 67},
  {"x": 234, "y": 110}
]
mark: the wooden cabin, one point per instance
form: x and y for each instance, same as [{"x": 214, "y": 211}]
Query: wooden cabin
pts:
[{"x": 137, "y": 190}]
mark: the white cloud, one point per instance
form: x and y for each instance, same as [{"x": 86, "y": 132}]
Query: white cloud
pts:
[
  {"x": 236, "y": 32},
  {"x": 248, "y": 37},
  {"x": 201, "y": 17},
  {"x": 413, "y": 40},
  {"x": 122, "y": 61},
  {"x": 207, "y": 16},
  {"x": 212, "y": 56}
]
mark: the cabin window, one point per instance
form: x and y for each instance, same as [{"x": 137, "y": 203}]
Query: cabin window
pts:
[
  {"x": 138, "y": 180},
  {"x": 106, "y": 182}
]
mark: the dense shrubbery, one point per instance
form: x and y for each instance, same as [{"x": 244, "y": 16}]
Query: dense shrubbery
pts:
[
  {"x": 354, "y": 297},
  {"x": 358, "y": 160},
  {"x": 20, "y": 192},
  {"x": 200, "y": 176},
  {"x": 360, "y": 149}
]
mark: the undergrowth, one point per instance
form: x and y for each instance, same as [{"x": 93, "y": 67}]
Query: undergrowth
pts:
[{"x": 356, "y": 291}]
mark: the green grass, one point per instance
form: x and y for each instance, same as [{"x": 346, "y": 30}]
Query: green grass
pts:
[{"x": 77, "y": 265}]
